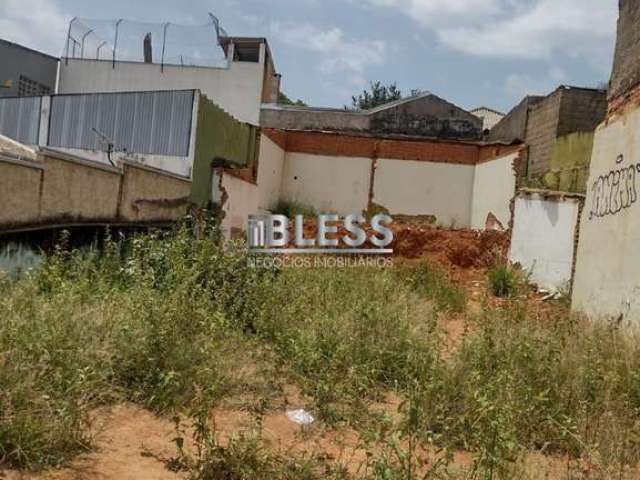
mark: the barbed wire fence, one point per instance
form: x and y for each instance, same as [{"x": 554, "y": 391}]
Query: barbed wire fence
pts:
[{"x": 167, "y": 43}]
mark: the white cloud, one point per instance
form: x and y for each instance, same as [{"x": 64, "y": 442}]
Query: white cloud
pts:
[
  {"x": 532, "y": 29},
  {"x": 439, "y": 13},
  {"x": 36, "y": 24},
  {"x": 573, "y": 27},
  {"x": 338, "y": 53},
  {"x": 518, "y": 85}
]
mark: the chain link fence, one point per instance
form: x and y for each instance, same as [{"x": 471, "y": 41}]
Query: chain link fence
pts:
[{"x": 161, "y": 43}]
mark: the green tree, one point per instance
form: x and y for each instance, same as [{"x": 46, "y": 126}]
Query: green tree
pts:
[
  {"x": 283, "y": 99},
  {"x": 378, "y": 94}
]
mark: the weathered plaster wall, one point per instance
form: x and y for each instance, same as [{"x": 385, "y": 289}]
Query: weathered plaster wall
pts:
[
  {"x": 328, "y": 183},
  {"x": 607, "y": 283},
  {"x": 80, "y": 191},
  {"x": 543, "y": 238},
  {"x": 301, "y": 118},
  {"x": 427, "y": 115},
  {"x": 173, "y": 165},
  {"x": 494, "y": 185},
  {"x": 59, "y": 189},
  {"x": 270, "y": 173},
  {"x": 569, "y": 164},
  {"x": 151, "y": 195},
  {"x": 19, "y": 191},
  {"x": 425, "y": 188},
  {"x": 221, "y": 140},
  {"x": 241, "y": 200}
]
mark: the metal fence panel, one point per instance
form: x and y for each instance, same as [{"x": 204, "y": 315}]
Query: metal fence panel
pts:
[
  {"x": 20, "y": 119},
  {"x": 154, "y": 123}
]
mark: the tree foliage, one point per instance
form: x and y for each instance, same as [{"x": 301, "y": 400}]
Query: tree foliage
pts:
[
  {"x": 283, "y": 99},
  {"x": 378, "y": 94}
]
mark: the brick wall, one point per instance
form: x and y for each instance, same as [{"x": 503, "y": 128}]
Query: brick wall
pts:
[
  {"x": 331, "y": 144},
  {"x": 514, "y": 125},
  {"x": 337, "y": 144},
  {"x": 565, "y": 111}
]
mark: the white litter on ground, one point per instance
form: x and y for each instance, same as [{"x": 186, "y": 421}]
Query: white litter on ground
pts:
[{"x": 301, "y": 417}]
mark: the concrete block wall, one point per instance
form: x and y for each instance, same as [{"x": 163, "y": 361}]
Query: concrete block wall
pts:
[
  {"x": 626, "y": 65},
  {"x": 582, "y": 110},
  {"x": 541, "y": 132},
  {"x": 540, "y": 121},
  {"x": 514, "y": 125}
]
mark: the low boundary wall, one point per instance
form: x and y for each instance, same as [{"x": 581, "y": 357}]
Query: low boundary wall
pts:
[
  {"x": 544, "y": 236},
  {"x": 61, "y": 190}
]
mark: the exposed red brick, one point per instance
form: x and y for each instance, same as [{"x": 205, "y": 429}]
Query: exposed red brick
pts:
[
  {"x": 618, "y": 105},
  {"x": 491, "y": 152},
  {"x": 245, "y": 174},
  {"x": 320, "y": 143},
  {"x": 427, "y": 150},
  {"x": 279, "y": 137}
]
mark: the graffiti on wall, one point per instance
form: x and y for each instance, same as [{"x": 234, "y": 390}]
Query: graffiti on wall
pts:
[{"x": 614, "y": 191}]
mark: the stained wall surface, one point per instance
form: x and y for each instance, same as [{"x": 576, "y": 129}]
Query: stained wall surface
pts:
[
  {"x": 494, "y": 185},
  {"x": 543, "y": 238},
  {"x": 330, "y": 184},
  {"x": 607, "y": 283},
  {"x": 425, "y": 188}
]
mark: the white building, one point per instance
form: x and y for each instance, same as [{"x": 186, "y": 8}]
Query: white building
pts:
[
  {"x": 240, "y": 87},
  {"x": 489, "y": 116}
]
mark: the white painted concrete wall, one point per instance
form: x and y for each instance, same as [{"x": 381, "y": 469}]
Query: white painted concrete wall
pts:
[
  {"x": 182, "y": 166},
  {"x": 494, "y": 185},
  {"x": 242, "y": 201},
  {"x": 426, "y": 188},
  {"x": 270, "y": 173},
  {"x": 329, "y": 184},
  {"x": 237, "y": 89},
  {"x": 543, "y": 238},
  {"x": 607, "y": 280}
]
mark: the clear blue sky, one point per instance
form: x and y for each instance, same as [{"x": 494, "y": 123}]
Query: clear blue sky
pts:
[{"x": 471, "y": 52}]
